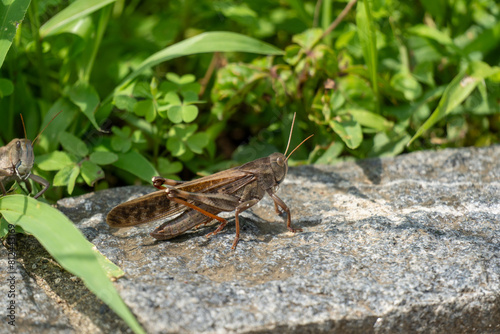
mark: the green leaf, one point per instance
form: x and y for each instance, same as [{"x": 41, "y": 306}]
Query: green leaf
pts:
[
  {"x": 62, "y": 176},
  {"x": 174, "y": 114},
  {"x": 190, "y": 97},
  {"x": 54, "y": 160},
  {"x": 189, "y": 113},
  {"x": 66, "y": 244},
  {"x": 203, "y": 43},
  {"x": 172, "y": 98},
  {"x": 103, "y": 158},
  {"x": 6, "y": 87},
  {"x": 185, "y": 79},
  {"x": 142, "y": 89},
  {"x": 11, "y": 15},
  {"x": 389, "y": 144},
  {"x": 87, "y": 99},
  {"x": 120, "y": 144},
  {"x": 457, "y": 91},
  {"x": 145, "y": 108},
  {"x": 426, "y": 31},
  {"x": 176, "y": 146},
  {"x": 72, "y": 178},
  {"x": 292, "y": 54},
  {"x": 91, "y": 172},
  {"x": 136, "y": 164},
  {"x": 166, "y": 167},
  {"x": 308, "y": 38},
  {"x": 370, "y": 120},
  {"x": 67, "y": 176},
  {"x": 122, "y": 132},
  {"x": 125, "y": 102},
  {"x": 73, "y": 145},
  {"x": 406, "y": 84},
  {"x": 331, "y": 154},
  {"x": 73, "y": 12},
  {"x": 183, "y": 131},
  {"x": 349, "y": 131},
  {"x": 197, "y": 142}
]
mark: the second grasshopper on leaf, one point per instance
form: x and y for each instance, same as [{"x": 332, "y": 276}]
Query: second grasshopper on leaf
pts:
[
  {"x": 199, "y": 201},
  {"x": 16, "y": 162}
]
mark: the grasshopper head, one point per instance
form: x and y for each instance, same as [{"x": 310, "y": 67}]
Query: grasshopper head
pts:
[
  {"x": 279, "y": 166},
  {"x": 21, "y": 155}
]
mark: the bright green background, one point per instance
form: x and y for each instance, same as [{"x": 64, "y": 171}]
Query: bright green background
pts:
[{"x": 143, "y": 93}]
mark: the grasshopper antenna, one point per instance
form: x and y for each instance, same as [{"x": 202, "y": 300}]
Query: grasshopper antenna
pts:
[
  {"x": 298, "y": 146},
  {"x": 291, "y": 131},
  {"x": 24, "y": 128},
  {"x": 38, "y": 135}
]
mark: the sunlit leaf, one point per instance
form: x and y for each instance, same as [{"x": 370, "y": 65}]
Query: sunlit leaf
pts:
[
  {"x": 189, "y": 113},
  {"x": 136, "y": 164},
  {"x": 370, "y": 120},
  {"x": 54, "y": 160},
  {"x": 174, "y": 114},
  {"x": 349, "y": 131},
  {"x": 73, "y": 12}
]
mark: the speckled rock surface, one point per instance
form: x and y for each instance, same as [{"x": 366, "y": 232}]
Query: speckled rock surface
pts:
[{"x": 406, "y": 244}]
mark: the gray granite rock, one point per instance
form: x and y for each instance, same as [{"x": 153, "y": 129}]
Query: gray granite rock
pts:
[
  {"x": 26, "y": 308},
  {"x": 405, "y": 244}
]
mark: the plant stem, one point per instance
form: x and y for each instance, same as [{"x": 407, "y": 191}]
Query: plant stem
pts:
[
  {"x": 40, "y": 63},
  {"x": 339, "y": 18}
]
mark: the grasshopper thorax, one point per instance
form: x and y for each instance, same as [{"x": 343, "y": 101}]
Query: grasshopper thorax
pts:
[{"x": 279, "y": 166}]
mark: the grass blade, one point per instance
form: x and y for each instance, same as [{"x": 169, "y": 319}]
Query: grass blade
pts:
[
  {"x": 204, "y": 43},
  {"x": 368, "y": 40},
  {"x": 73, "y": 12},
  {"x": 11, "y": 15}
]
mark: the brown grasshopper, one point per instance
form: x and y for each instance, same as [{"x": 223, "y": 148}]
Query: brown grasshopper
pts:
[
  {"x": 16, "y": 162},
  {"x": 199, "y": 201}
]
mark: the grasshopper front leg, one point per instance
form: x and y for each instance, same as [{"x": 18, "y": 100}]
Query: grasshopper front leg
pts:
[
  {"x": 2, "y": 188},
  {"x": 282, "y": 205},
  {"x": 40, "y": 180}
]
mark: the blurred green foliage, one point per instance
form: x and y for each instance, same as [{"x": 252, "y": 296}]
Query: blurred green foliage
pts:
[{"x": 152, "y": 87}]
